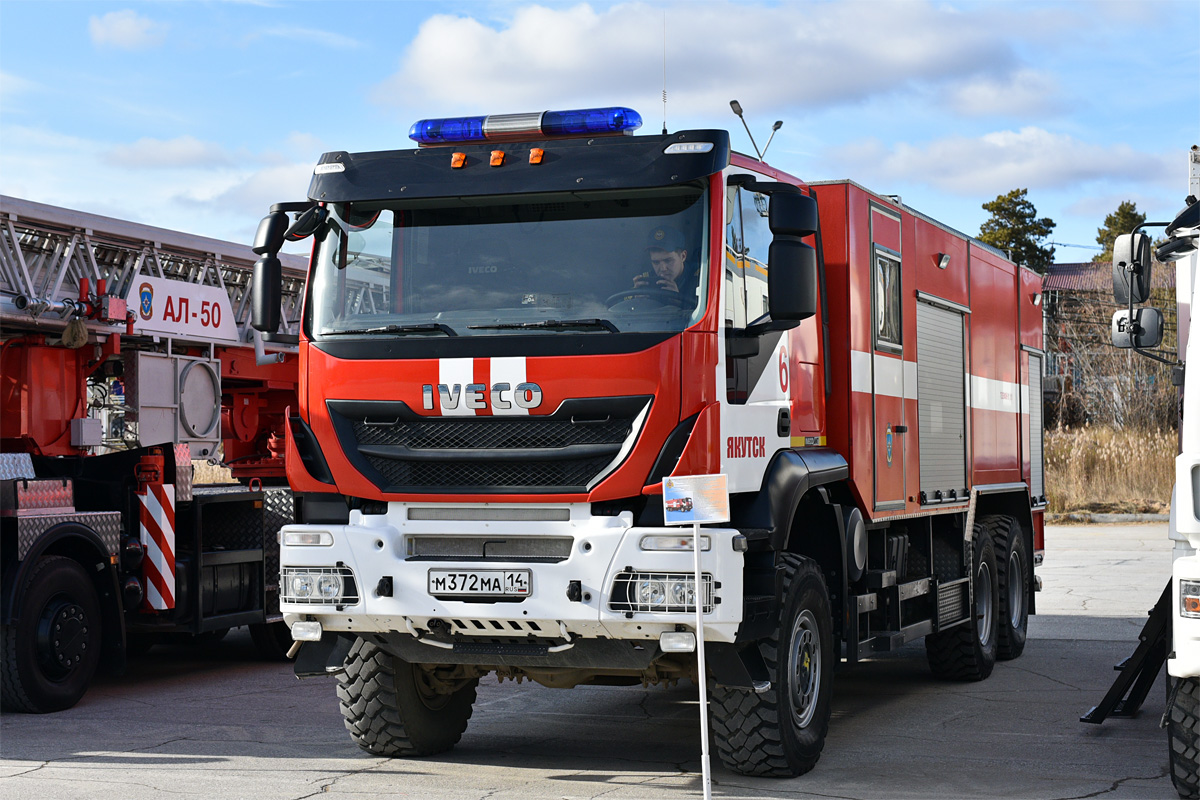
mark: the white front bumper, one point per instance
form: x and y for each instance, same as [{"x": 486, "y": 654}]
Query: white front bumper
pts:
[{"x": 376, "y": 546}]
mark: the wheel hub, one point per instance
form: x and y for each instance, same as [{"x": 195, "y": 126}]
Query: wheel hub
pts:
[
  {"x": 62, "y": 638},
  {"x": 983, "y": 604},
  {"x": 805, "y": 669},
  {"x": 1016, "y": 589}
]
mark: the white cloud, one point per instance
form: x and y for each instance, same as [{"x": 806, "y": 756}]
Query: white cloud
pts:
[
  {"x": 126, "y": 30},
  {"x": 997, "y": 162},
  {"x": 182, "y": 151},
  {"x": 810, "y": 54},
  {"x": 1024, "y": 92}
]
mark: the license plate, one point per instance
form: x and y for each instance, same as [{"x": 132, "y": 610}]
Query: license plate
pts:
[{"x": 479, "y": 582}]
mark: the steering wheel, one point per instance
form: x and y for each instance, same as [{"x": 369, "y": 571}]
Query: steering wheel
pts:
[{"x": 662, "y": 296}]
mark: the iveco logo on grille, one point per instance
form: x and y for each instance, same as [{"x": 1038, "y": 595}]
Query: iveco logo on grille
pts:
[{"x": 475, "y": 396}]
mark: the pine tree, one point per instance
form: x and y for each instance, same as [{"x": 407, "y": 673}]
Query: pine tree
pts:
[
  {"x": 1015, "y": 228},
  {"x": 1123, "y": 220}
]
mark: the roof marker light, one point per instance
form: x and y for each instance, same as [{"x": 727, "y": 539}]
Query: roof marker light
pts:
[
  {"x": 689, "y": 147},
  {"x": 500, "y": 127},
  {"x": 536, "y": 154},
  {"x": 458, "y": 160},
  {"x": 497, "y": 158}
]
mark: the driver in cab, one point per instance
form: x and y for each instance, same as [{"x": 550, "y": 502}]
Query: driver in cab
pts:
[{"x": 668, "y": 262}]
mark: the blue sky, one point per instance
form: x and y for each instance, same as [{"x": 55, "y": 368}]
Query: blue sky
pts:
[{"x": 198, "y": 115}]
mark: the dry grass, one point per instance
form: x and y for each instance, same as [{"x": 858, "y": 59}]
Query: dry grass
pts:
[
  {"x": 1106, "y": 470},
  {"x": 203, "y": 472}
]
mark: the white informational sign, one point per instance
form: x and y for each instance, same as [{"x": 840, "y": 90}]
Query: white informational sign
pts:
[
  {"x": 176, "y": 308},
  {"x": 695, "y": 499}
]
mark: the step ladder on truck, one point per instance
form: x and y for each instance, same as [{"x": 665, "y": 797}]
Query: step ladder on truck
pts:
[{"x": 126, "y": 353}]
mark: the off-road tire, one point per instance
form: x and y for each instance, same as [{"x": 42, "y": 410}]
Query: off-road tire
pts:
[
  {"x": 1183, "y": 737},
  {"x": 965, "y": 652},
  {"x": 1012, "y": 569},
  {"x": 51, "y": 650},
  {"x": 781, "y": 732},
  {"x": 388, "y": 714}
]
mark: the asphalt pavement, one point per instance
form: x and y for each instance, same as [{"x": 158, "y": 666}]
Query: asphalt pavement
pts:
[{"x": 187, "y": 721}]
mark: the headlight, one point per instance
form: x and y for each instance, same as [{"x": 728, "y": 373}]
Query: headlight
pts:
[
  {"x": 1189, "y": 599},
  {"x": 683, "y": 593},
  {"x": 302, "y": 586},
  {"x": 329, "y": 587},
  {"x": 651, "y": 593}
]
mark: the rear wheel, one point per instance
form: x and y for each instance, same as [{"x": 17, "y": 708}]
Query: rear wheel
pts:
[
  {"x": 967, "y": 652},
  {"x": 1012, "y": 564},
  {"x": 1183, "y": 736},
  {"x": 394, "y": 708},
  {"x": 52, "y": 649},
  {"x": 781, "y": 732}
]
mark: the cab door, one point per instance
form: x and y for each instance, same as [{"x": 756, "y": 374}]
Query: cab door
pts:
[{"x": 889, "y": 375}]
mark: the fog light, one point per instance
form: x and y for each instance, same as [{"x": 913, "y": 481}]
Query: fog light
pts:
[
  {"x": 302, "y": 585},
  {"x": 652, "y": 593},
  {"x": 677, "y": 642},
  {"x": 329, "y": 587},
  {"x": 1189, "y": 599},
  {"x": 306, "y": 631}
]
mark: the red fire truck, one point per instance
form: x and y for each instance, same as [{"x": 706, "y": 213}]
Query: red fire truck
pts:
[
  {"x": 127, "y": 353},
  {"x": 514, "y": 333}
]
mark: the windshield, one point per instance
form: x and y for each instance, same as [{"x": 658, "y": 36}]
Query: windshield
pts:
[{"x": 594, "y": 263}]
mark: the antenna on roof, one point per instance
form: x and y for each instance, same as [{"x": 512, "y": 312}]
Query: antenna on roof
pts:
[
  {"x": 737, "y": 109},
  {"x": 664, "y": 72}
]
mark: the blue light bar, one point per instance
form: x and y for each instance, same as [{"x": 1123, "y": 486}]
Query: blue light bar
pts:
[{"x": 510, "y": 127}]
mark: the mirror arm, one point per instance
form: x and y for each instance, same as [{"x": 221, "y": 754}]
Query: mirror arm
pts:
[{"x": 281, "y": 338}]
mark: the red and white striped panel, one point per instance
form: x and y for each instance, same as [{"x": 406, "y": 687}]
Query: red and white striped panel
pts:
[{"x": 158, "y": 537}]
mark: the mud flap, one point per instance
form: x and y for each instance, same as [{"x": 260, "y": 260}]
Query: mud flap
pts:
[
  {"x": 737, "y": 666},
  {"x": 326, "y": 657}
]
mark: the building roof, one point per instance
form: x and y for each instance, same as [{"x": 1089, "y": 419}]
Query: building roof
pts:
[{"x": 1092, "y": 276}]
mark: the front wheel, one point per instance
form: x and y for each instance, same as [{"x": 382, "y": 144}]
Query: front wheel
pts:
[
  {"x": 781, "y": 732},
  {"x": 52, "y": 649},
  {"x": 1183, "y": 736},
  {"x": 394, "y": 708}
]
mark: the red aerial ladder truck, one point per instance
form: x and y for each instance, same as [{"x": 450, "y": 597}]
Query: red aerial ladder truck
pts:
[
  {"x": 512, "y": 335},
  {"x": 126, "y": 352}
]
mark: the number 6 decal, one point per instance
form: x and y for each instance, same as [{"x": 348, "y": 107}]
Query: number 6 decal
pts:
[{"x": 783, "y": 370}]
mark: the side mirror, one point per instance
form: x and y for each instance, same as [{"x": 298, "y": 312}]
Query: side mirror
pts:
[
  {"x": 307, "y": 224},
  {"x": 265, "y": 294},
  {"x": 1131, "y": 268},
  {"x": 792, "y": 280},
  {"x": 1145, "y": 332},
  {"x": 793, "y": 214},
  {"x": 271, "y": 230}
]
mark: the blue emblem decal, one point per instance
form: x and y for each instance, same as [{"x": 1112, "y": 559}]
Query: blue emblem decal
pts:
[
  {"x": 146, "y": 297},
  {"x": 889, "y": 444}
]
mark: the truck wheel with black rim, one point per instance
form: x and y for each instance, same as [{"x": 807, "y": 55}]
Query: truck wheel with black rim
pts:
[
  {"x": 393, "y": 708},
  {"x": 781, "y": 732},
  {"x": 1012, "y": 568},
  {"x": 967, "y": 652},
  {"x": 1183, "y": 736},
  {"x": 51, "y": 650}
]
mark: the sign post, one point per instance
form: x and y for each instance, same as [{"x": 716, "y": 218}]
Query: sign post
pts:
[{"x": 694, "y": 499}]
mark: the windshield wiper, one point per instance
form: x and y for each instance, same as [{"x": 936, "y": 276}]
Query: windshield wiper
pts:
[
  {"x": 424, "y": 327},
  {"x": 593, "y": 323}
]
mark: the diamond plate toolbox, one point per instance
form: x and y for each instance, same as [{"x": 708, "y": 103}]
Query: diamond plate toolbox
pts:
[
  {"x": 21, "y": 498},
  {"x": 106, "y": 524}
]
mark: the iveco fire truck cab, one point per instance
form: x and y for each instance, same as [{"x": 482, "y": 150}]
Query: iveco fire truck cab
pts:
[{"x": 494, "y": 387}]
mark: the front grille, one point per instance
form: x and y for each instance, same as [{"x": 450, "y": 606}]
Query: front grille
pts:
[
  {"x": 442, "y": 547},
  {"x": 569, "y": 450}
]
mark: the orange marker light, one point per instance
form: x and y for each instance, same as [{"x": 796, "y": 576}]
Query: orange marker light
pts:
[
  {"x": 497, "y": 158},
  {"x": 535, "y": 155},
  {"x": 458, "y": 160}
]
